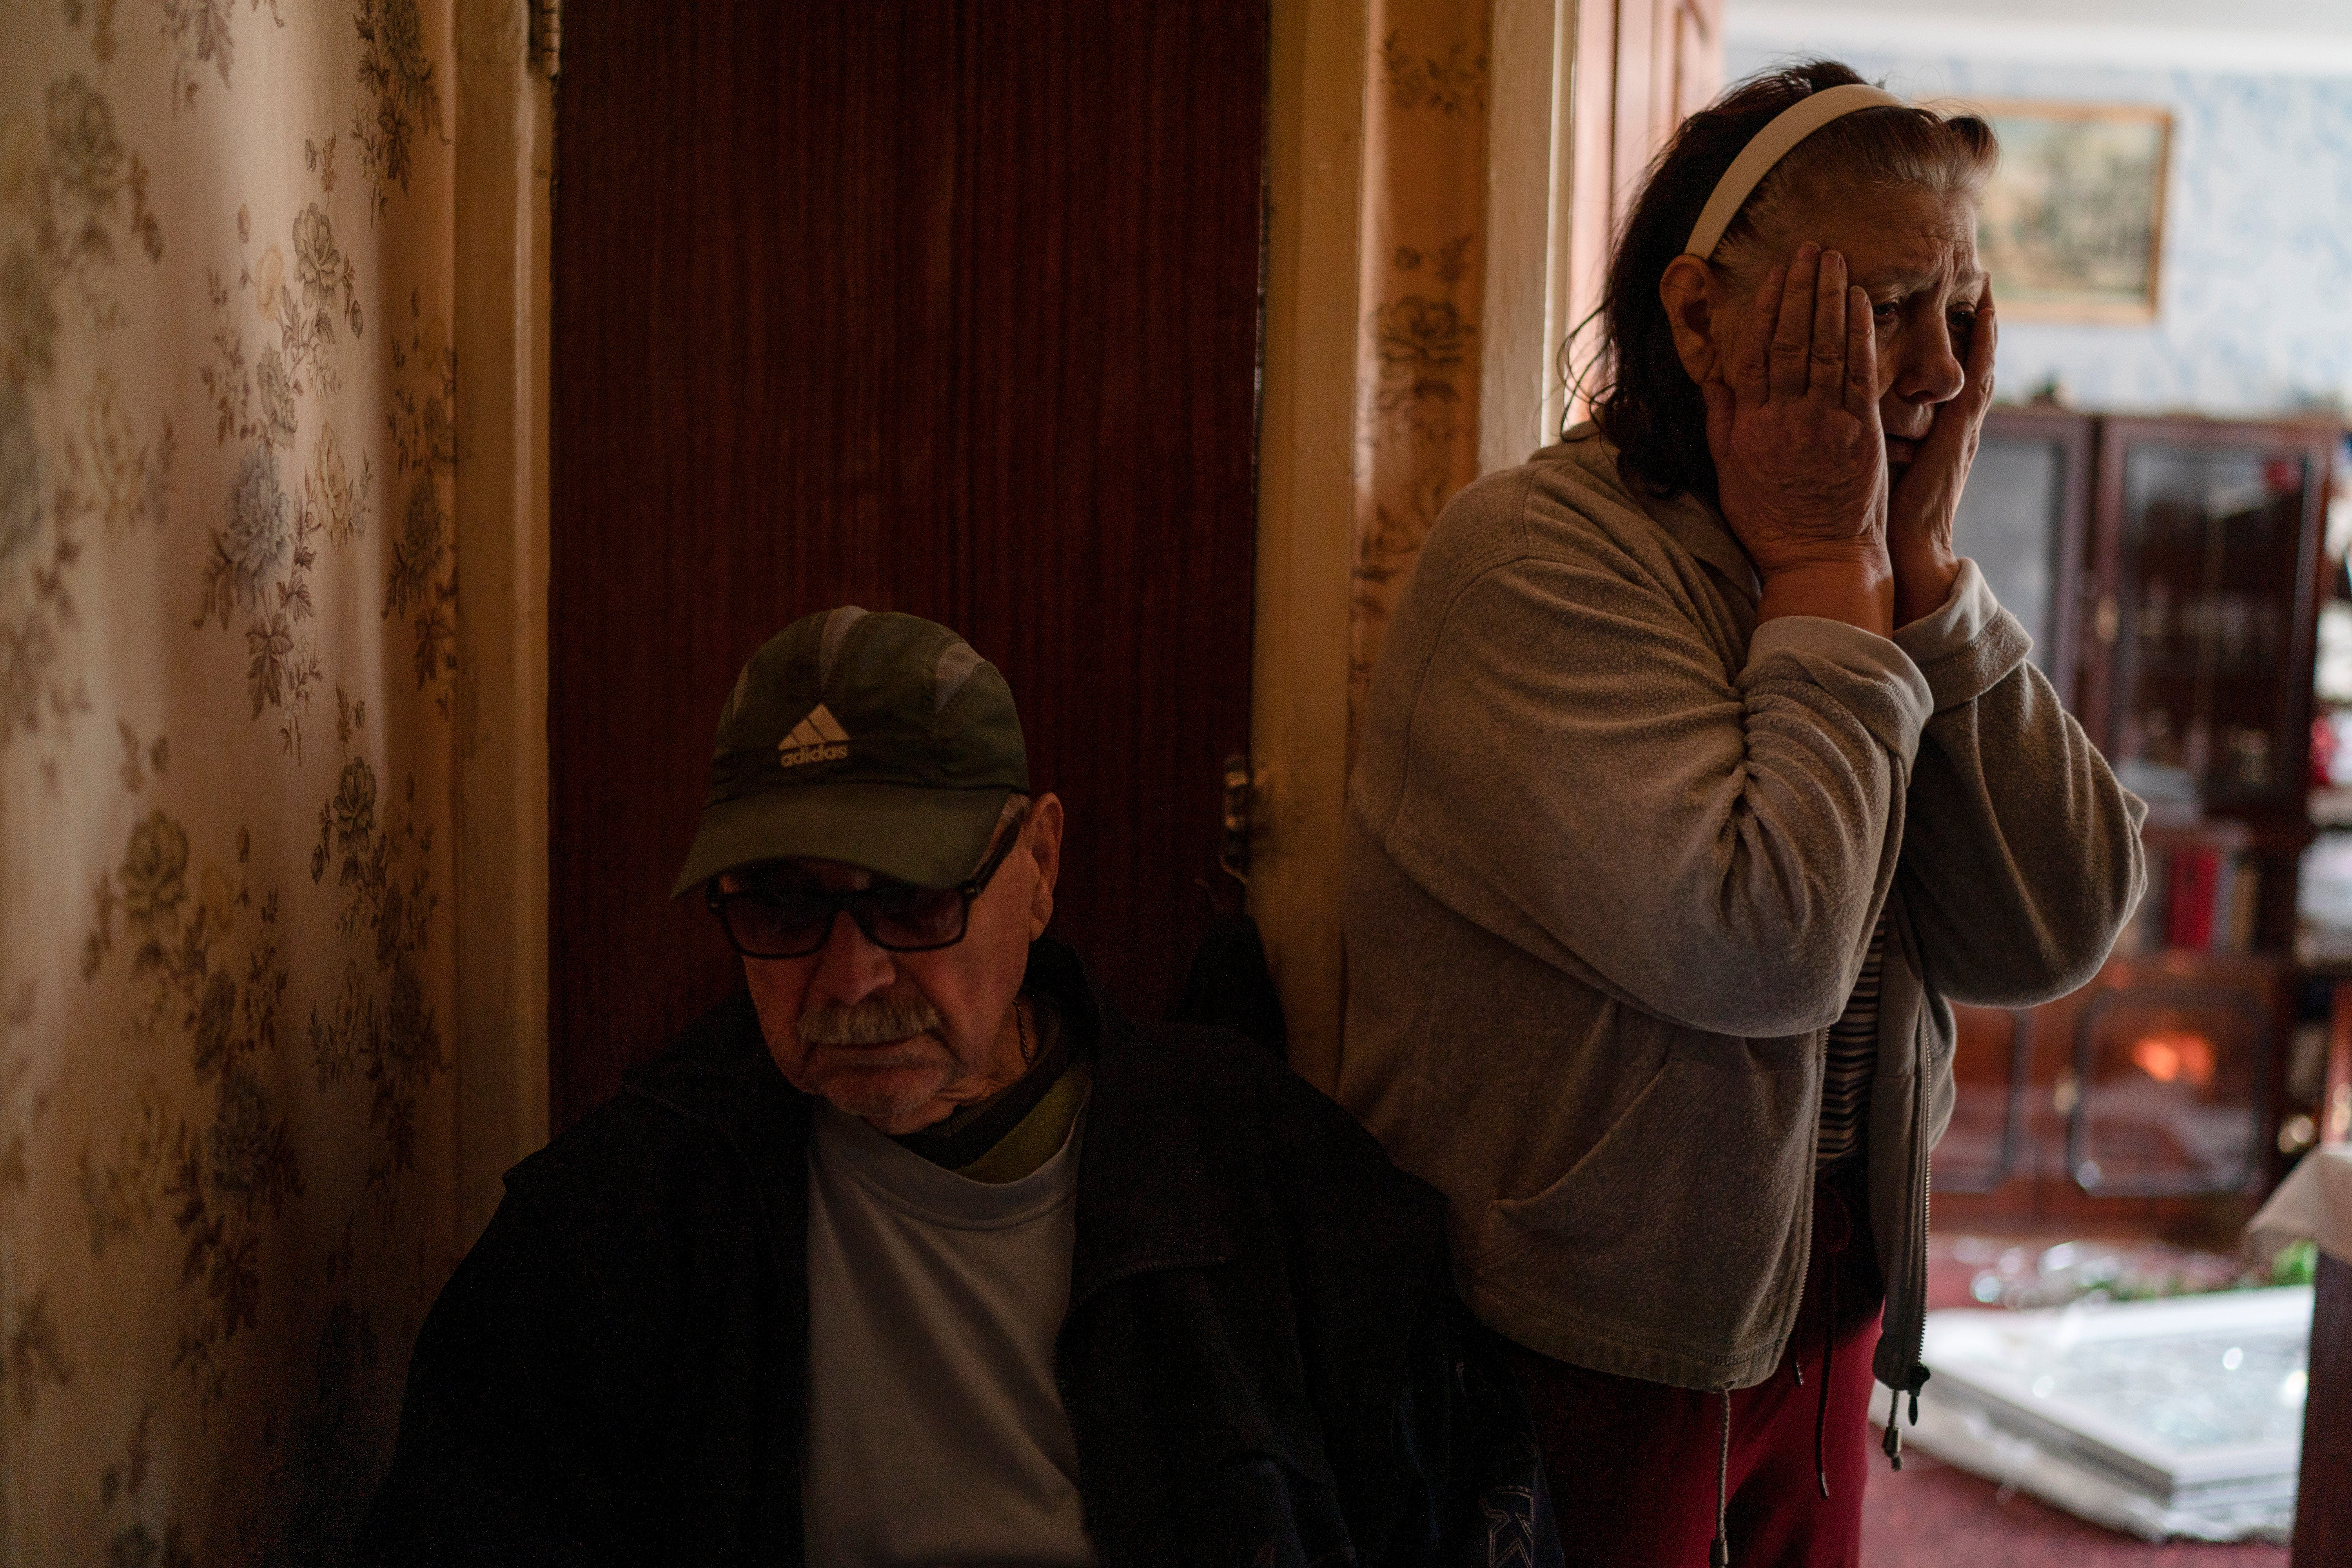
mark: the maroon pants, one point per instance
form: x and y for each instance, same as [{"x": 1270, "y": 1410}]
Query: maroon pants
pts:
[{"x": 1633, "y": 1465}]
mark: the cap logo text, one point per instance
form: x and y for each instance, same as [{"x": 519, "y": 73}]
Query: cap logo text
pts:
[{"x": 819, "y": 738}]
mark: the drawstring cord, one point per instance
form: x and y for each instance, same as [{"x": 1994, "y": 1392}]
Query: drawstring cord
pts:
[
  {"x": 1720, "y": 1554},
  {"x": 1892, "y": 1443},
  {"x": 1821, "y": 1411},
  {"x": 1834, "y": 1227}
]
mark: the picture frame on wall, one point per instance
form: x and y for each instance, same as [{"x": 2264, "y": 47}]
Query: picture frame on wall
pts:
[{"x": 2071, "y": 229}]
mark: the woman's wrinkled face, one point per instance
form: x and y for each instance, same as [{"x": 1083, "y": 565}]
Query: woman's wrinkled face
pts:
[{"x": 1913, "y": 250}]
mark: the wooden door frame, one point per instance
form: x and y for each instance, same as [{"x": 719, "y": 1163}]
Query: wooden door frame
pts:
[
  {"x": 1582, "y": 93},
  {"x": 1532, "y": 145},
  {"x": 505, "y": 155},
  {"x": 1320, "y": 56}
]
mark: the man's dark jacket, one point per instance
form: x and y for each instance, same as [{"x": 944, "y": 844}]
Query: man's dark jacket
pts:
[{"x": 1263, "y": 1362}]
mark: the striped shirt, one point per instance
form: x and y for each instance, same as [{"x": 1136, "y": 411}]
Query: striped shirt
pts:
[{"x": 1854, "y": 1057}]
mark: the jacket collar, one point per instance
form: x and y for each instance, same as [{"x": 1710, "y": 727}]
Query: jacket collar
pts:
[
  {"x": 718, "y": 1072},
  {"x": 1688, "y": 521},
  {"x": 1700, "y": 528},
  {"x": 1147, "y": 1197}
]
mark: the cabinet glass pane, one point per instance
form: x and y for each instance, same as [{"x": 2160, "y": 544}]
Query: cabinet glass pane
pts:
[
  {"x": 2206, "y": 585},
  {"x": 2170, "y": 1092},
  {"x": 2009, "y": 522}
]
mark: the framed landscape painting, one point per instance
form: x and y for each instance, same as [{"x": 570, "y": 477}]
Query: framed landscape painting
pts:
[{"x": 2073, "y": 226}]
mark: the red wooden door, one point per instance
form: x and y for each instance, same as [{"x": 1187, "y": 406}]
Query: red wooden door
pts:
[{"x": 945, "y": 306}]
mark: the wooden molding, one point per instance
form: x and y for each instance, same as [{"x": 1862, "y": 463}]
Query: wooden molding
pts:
[
  {"x": 1298, "y": 727},
  {"x": 504, "y": 115}
]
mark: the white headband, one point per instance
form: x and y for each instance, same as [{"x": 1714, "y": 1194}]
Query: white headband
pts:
[{"x": 1771, "y": 144}]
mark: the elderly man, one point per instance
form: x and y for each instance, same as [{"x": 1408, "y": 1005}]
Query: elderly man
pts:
[{"x": 917, "y": 1252}]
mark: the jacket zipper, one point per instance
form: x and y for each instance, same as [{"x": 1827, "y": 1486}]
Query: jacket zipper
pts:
[
  {"x": 1927, "y": 1235},
  {"x": 1916, "y": 1373}
]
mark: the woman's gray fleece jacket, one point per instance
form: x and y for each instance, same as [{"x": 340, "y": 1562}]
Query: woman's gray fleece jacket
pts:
[{"x": 1614, "y": 857}]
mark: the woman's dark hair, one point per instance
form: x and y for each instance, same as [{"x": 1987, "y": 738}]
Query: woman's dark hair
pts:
[{"x": 1646, "y": 403}]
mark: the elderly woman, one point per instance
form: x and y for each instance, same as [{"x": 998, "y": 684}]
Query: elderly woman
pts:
[{"x": 1698, "y": 778}]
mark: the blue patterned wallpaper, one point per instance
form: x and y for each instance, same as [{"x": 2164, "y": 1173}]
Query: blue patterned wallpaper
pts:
[{"x": 2256, "y": 307}]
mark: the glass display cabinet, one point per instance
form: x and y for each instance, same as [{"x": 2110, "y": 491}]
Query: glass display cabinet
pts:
[
  {"x": 2206, "y": 555},
  {"x": 2169, "y": 573}
]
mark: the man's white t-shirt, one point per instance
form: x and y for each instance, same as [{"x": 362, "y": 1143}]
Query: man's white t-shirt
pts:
[{"x": 936, "y": 1432}]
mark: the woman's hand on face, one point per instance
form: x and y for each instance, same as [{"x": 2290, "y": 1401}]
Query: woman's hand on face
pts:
[
  {"x": 1792, "y": 423},
  {"x": 1927, "y": 496}
]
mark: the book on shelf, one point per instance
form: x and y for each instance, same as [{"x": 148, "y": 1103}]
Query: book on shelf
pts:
[
  {"x": 2202, "y": 897},
  {"x": 2188, "y": 909}
]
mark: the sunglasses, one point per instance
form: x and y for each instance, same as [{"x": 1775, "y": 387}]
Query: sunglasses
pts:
[{"x": 898, "y": 916}]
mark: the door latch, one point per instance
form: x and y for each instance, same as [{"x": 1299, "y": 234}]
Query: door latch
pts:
[{"x": 1233, "y": 843}]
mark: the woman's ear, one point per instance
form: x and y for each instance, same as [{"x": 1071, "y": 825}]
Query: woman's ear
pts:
[{"x": 1690, "y": 292}]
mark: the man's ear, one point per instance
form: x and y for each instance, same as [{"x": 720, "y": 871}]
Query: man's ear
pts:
[
  {"x": 1690, "y": 291},
  {"x": 1044, "y": 832}
]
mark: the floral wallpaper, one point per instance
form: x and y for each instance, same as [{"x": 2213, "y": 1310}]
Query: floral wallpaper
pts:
[
  {"x": 227, "y": 603},
  {"x": 1425, "y": 259},
  {"x": 2255, "y": 290}
]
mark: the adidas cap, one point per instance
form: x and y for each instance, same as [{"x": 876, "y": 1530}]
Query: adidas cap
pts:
[{"x": 878, "y": 739}]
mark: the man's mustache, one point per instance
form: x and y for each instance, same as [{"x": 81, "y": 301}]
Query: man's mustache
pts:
[{"x": 874, "y": 1021}]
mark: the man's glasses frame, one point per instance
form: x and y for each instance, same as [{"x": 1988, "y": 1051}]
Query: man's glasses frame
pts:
[{"x": 883, "y": 915}]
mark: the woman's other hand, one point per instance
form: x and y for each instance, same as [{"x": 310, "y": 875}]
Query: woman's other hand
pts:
[
  {"x": 1799, "y": 456},
  {"x": 1927, "y": 494}
]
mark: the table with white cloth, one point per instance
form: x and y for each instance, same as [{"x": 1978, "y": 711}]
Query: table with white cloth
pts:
[{"x": 2316, "y": 1201}]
